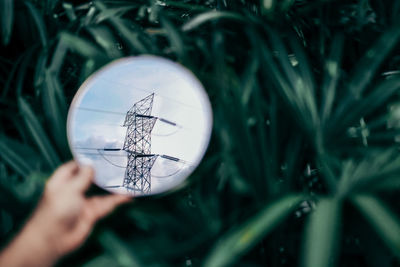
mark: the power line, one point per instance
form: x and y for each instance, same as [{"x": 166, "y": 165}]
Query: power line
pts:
[
  {"x": 121, "y": 113},
  {"x": 101, "y": 110},
  {"x": 109, "y": 161},
  {"x": 166, "y": 176},
  {"x": 128, "y": 151},
  {"x": 97, "y": 154},
  {"x": 149, "y": 92}
]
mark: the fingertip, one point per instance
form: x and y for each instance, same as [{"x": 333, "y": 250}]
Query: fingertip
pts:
[
  {"x": 87, "y": 169},
  {"x": 121, "y": 199},
  {"x": 85, "y": 177},
  {"x": 87, "y": 172},
  {"x": 66, "y": 170}
]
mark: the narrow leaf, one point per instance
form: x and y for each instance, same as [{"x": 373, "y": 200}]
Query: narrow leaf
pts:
[
  {"x": 209, "y": 16},
  {"x": 82, "y": 46},
  {"x": 381, "y": 93},
  {"x": 118, "y": 250},
  {"x": 131, "y": 37},
  {"x": 174, "y": 37},
  {"x": 69, "y": 10},
  {"x": 331, "y": 76},
  {"x": 103, "y": 260},
  {"x": 235, "y": 243},
  {"x": 106, "y": 40},
  {"x": 38, "y": 134},
  {"x": 55, "y": 109},
  {"x": 9, "y": 154},
  {"x": 373, "y": 58},
  {"x": 385, "y": 222},
  {"x": 37, "y": 17},
  {"x": 321, "y": 234},
  {"x": 7, "y": 19}
]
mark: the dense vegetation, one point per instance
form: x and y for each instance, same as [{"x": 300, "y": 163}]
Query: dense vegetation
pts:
[{"x": 303, "y": 166}]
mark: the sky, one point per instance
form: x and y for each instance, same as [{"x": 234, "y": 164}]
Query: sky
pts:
[{"x": 98, "y": 111}]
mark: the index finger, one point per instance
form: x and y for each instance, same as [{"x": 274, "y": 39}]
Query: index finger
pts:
[
  {"x": 65, "y": 171},
  {"x": 100, "y": 206}
]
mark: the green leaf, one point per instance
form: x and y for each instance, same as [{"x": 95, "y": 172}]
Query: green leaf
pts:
[
  {"x": 385, "y": 222},
  {"x": 58, "y": 56},
  {"x": 103, "y": 260},
  {"x": 106, "y": 40},
  {"x": 375, "y": 99},
  {"x": 375, "y": 171},
  {"x": 331, "y": 76},
  {"x": 306, "y": 76},
  {"x": 55, "y": 108},
  {"x": 11, "y": 74},
  {"x": 179, "y": 4},
  {"x": 41, "y": 26},
  {"x": 367, "y": 66},
  {"x": 210, "y": 16},
  {"x": 109, "y": 13},
  {"x": 249, "y": 79},
  {"x": 15, "y": 155},
  {"x": 268, "y": 6},
  {"x": 38, "y": 134},
  {"x": 40, "y": 68},
  {"x": 21, "y": 74},
  {"x": 82, "y": 46},
  {"x": 131, "y": 37},
  {"x": 118, "y": 250},
  {"x": 175, "y": 38},
  {"x": 69, "y": 10},
  {"x": 322, "y": 234},
  {"x": 7, "y": 19},
  {"x": 236, "y": 242}
]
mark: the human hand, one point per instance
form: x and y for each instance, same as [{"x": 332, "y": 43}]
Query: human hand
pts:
[
  {"x": 63, "y": 219},
  {"x": 65, "y": 215}
]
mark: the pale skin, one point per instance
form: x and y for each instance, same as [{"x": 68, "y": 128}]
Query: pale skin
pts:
[{"x": 62, "y": 221}]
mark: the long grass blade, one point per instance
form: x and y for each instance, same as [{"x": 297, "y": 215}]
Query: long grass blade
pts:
[
  {"x": 373, "y": 58},
  {"x": 58, "y": 56},
  {"x": 131, "y": 37},
  {"x": 235, "y": 243},
  {"x": 385, "y": 222},
  {"x": 15, "y": 155},
  {"x": 7, "y": 20},
  {"x": 307, "y": 79},
  {"x": 11, "y": 74},
  {"x": 41, "y": 26},
  {"x": 69, "y": 10},
  {"x": 55, "y": 109},
  {"x": 103, "y": 260},
  {"x": 331, "y": 76},
  {"x": 175, "y": 38},
  {"x": 82, "y": 46},
  {"x": 38, "y": 134},
  {"x": 118, "y": 250},
  {"x": 109, "y": 13},
  {"x": 106, "y": 40},
  {"x": 210, "y": 16},
  {"x": 21, "y": 74},
  {"x": 321, "y": 234},
  {"x": 381, "y": 93}
]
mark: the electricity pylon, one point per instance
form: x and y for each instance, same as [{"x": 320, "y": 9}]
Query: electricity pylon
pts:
[{"x": 137, "y": 144}]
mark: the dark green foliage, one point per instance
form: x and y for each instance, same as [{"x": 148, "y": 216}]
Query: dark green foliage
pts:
[{"x": 306, "y": 127}]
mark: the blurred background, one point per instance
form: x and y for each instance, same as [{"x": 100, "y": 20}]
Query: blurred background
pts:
[{"x": 303, "y": 167}]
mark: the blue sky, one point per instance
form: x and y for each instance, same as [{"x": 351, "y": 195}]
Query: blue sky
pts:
[{"x": 179, "y": 97}]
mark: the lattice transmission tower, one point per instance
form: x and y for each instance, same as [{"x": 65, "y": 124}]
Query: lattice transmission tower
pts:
[{"x": 139, "y": 123}]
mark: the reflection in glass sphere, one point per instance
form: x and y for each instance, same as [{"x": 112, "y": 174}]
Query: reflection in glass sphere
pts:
[{"x": 143, "y": 123}]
